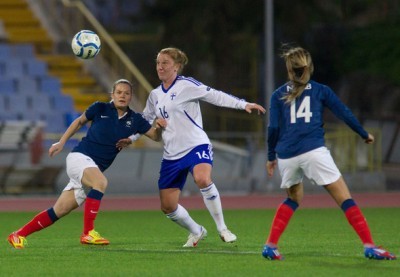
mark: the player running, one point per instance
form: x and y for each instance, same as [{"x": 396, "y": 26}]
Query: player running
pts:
[
  {"x": 86, "y": 163},
  {"x": 187, "y": 147},
  {"x": 296, "y": 144}
]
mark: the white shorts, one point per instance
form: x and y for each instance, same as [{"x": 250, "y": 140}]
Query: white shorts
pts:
[
  {"x": 317, "y": 165},
  {"x": 76, "y": 164}
]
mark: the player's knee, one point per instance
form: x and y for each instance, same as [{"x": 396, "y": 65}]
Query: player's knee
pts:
[
  {"x": 202, "y": 181},
  {"x": 101, "y": 185},
  {"x": 166, "y": 209}
]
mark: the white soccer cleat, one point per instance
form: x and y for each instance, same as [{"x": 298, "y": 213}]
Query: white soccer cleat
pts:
[
  {"x": 227, "y": 236},
  {"x": 193, "y": 239}
]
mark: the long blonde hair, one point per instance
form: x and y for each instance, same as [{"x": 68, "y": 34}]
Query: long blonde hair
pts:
[{"x": 300, "y": 67}]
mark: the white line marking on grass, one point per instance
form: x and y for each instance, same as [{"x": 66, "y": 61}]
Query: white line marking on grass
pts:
[{"x": 190, "y": 251}]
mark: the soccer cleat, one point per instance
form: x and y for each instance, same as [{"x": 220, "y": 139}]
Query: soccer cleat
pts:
[
  {"x": 193, "y": 239},
  {"x": 17, "y": 241},
  {"x": 94, "y": 238},
  {"x": 377, "y": 253},
  {"x": 227, "y": 236},
  {"x": 271, "y": 253}
]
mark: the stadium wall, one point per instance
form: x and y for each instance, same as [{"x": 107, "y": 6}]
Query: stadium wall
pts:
[{"x": 135, "y": 171}]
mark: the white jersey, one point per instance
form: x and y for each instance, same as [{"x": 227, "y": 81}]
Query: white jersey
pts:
[{"x": 180, "y": 106}]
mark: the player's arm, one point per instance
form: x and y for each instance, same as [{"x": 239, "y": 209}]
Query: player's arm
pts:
[
  {"x": 75, "y": 126},
  {"x": 271, "y": 167},
  {"x": 253, "y": 106},
  {"x": 222, "y": 99},
  {"x": 155, "y": 132},
  {"x": 342, "y": 112}
]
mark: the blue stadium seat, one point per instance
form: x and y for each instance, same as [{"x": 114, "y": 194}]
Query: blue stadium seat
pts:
[
  {"x": 7, "y": 86},
  {"x": 31, "y": 115},
  {"x": 2, "y": 102},
  {"x": 5, "y": 51},
  {"x": 49, "y": 85},
  {"x": 23, "y": 50},
  {"x": 55, "y": 122},
  {"x": 26, "y": 85},
  {"x": 17, "y": 103},
  {"x": 41, "y": 103},
  {"x": 5, "y": 116},
  {"x": 63, "y": 103},
  {"x": 14, "y": 68},
  {"x": 36, "y": 68}
]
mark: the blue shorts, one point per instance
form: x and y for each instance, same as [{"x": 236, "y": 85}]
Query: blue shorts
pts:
[{"x": 173, "y": 173}]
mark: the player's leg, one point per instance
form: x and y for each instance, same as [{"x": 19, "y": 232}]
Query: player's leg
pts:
[
  {"x": 169, "y": 205},
  {"x": 64, "y": 204},
  {"x": 172, "y": 180},
  {"x": 292, "y": 177},
  {"x": 340, "y": 192},
  {"x": 281, "y": 219},
  {"x": 199, "y": 161},
  {"x": 202, "y": 177},
  {"x": 94, "y": 178}
]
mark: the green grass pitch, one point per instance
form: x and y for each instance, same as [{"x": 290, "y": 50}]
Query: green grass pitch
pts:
[{"x": 317, "y": 242}]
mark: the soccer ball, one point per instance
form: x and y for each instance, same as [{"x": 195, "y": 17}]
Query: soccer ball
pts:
[{"x": 86, "y": 44}]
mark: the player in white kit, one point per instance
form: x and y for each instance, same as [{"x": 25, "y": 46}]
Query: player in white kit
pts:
[{"x": 187, "y": 147}]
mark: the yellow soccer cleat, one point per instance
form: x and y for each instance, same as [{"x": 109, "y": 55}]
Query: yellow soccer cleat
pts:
[
  {"x": 94, "y": 238},
  {"x": 17, "y": 241}
]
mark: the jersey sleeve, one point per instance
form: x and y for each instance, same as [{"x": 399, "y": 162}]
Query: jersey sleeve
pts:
[
  {"x": 92, "y": 110},
  {"x": 149, "y": 112},
  {"x": 143, "y": 125},
  {"x": 215, "y": 97},
  {"x": 148, "y": 116},
  {"x": 342, "y": 112}
]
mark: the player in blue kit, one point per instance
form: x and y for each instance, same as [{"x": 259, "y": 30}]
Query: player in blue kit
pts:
[
  {"x": 187, "y": 147},
  {"x": 296, "y": 145},
  {"x": 86, "y": 163}
]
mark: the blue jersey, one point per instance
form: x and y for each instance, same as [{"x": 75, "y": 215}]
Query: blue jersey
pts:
[
  {"x": 106, "y": 130},
  {"x": 297, "y": 127}
]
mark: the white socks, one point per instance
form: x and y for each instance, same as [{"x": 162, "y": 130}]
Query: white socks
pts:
[
  {"x": 213, "y": 203},
  {"x": 181, "y": 217}
]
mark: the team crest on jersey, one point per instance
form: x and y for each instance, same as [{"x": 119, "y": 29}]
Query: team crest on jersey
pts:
[
  {"x": 128, "y": 123},
  {"x": 173, "y": 95}
]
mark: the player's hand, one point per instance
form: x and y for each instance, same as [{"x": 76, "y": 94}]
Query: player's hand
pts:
[
  {"x": 271, "y": 167},
  {"x": 253, "y": 106},
  {"x": 370, "y": 139},
  {"x": 122, "y": 143},
  {"x": 55, "y": 148},
  {"x": 161, "y": 123}
]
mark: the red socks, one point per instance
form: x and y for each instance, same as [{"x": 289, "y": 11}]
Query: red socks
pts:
[
  {"x": 350, "y": 208},
  {"x": 92, "y": 206},
  {"x": 39, "y": 222},
  {"x": 281, "y": 220},
  {"x": 357, "y": 221}
]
